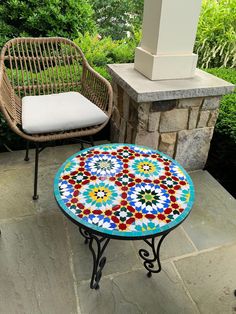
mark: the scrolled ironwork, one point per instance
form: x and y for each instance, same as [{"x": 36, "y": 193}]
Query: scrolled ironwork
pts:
[
  {"x": 152, "y": 259},
  {"x": 85, "y": 234},
  {"x": 98, "y": 261},
  {"x": 98, "y": 275},
  {"x": 97, "y": 246}
]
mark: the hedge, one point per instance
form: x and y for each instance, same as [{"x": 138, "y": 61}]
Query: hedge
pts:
[{"x": 226, "y": 123}]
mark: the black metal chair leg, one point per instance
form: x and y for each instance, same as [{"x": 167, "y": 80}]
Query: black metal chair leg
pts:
[
  {"x": 27, "y": 152},
  {"x": 35, "y": 196},
  {"x": 91, "y": 140}
]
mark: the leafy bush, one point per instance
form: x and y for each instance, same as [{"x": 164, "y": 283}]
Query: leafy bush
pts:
[
  {"x": 216, "y": 35},
  {"x": 100, "y": 52},
  {"x": 116, "y": 17},
  {"x": 226, "y": 123},
  {"x": 44, "y": 18}
]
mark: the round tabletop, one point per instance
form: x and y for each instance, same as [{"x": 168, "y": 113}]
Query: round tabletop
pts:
[{"x": 124, "y": 190}]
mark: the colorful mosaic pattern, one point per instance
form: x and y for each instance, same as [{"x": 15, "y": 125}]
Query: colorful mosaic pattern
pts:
[{"x": 124, "y": 190}]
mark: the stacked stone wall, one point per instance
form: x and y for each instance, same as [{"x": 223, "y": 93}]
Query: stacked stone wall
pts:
[{"x": 181, "y": 128}]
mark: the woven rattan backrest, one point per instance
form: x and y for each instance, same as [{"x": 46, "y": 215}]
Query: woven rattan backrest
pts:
[{"x": 37, "y": 66}]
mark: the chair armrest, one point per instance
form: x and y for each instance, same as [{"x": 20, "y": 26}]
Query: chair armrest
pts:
[
  {"x": 10, "y": 103},
  {"x": 97, "y": 89}
]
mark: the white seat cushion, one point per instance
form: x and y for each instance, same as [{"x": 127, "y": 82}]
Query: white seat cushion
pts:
[{"x": 59, "y": 112}]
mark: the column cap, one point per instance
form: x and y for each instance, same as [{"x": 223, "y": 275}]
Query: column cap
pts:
[{"x": 142, "y": 89}]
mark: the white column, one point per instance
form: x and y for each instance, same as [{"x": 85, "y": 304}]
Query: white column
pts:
[{"x": 169, "y": 31}]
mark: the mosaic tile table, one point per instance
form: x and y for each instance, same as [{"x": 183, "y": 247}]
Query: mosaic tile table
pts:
[{"x": 125, "y": 192}]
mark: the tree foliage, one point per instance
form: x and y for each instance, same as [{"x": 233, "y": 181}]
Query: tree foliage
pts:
[
  {"x": 116, "y": 17},
  {"x": 36, "y": 18}
]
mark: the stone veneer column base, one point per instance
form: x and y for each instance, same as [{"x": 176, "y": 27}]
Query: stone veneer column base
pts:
[{"x": 180, "y": 127}]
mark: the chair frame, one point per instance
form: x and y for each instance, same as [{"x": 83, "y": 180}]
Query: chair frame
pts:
[{"x": 25, "y": 60}]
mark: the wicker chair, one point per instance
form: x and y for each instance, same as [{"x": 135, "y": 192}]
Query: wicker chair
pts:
[{"x": 46, "y": 66}]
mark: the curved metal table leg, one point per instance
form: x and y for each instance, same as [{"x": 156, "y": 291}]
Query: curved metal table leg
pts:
[
  {"x": 152, "y": 261},
  {"x": 97, "y": 246}
]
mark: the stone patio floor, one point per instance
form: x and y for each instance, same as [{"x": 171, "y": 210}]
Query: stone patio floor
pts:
[{"x": 45, "y": 266}]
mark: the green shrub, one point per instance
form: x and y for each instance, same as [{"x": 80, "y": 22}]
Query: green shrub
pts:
[
  {"x": 44, "y": 18},
  {"x": 226, "y": 123},
  {"x": 100, "y": 52},
  {"x": 216, "y": 35}
]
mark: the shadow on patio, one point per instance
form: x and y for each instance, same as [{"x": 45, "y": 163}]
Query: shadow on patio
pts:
[{"x": 45, "y": 266}]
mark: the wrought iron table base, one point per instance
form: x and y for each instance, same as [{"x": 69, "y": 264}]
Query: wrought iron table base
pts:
[
  {"x": 97, "y": 250},
  {"x": 150, "y": 260},
  {"x": 98, "y": 244}
]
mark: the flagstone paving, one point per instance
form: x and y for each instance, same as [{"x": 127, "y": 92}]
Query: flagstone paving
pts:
[{"x": 45, "y": 266}]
